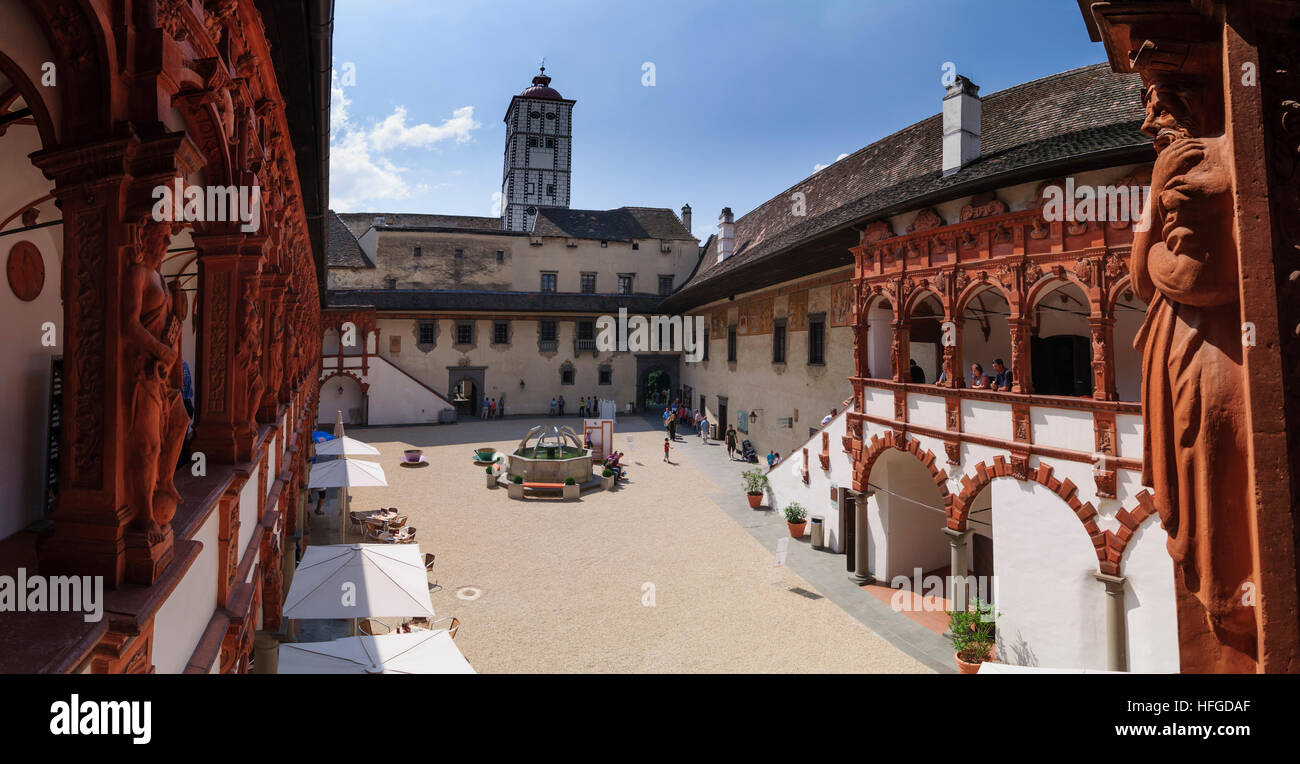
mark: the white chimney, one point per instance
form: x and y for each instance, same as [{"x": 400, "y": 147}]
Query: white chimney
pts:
[
  {"x": 686, "y": 217},
  {"x": 961, "y": 125},
  {"x": 726, "y": 234}
]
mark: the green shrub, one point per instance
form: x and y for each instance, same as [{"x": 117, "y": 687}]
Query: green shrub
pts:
[
  {"x": 755, "y": 481},
  {"x": 973, "y": 630},
  {"x": 570, "y": 481},
  {"x": 488, "y": 470},
  {"x": 795, "y": 513},
  {"x": 517, "y": 479},
  {"x": 608, "y": 472}
]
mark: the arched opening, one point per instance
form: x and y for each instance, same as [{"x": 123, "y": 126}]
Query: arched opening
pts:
[
  {"x": 985, "y": 336},
  {"x": 658, "y": 388},
  {"x": 31, "y": 307},
  {"x": 909, "y": 551},
  {"x": 1060, "y": 345},
  {"x": 342, "y": 392},
  {"x": 1051, "y": 607},
  {"x": 880, "y": 338},
  {"x": 924, "y": 330},
  {"x": 1129, "y": 312}
]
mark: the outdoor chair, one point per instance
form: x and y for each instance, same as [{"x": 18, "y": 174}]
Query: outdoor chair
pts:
[
  {"x": 373, "y": 627},
  {"x": 372, "y": 533},
  {"x": 453, "y": 628},
  {"x": 428, "y": 568},
  {"x": 408, "y": 538},
  {"x": 397, "y": 522}
]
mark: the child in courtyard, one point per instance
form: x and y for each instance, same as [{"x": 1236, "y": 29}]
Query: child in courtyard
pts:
[{"x": 667, "y": 446}]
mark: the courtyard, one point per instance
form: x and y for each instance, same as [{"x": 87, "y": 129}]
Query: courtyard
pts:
[{"x": 654, "y": 576}]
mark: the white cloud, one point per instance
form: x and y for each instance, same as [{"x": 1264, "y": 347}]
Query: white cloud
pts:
[
  {"x": 361, "y": 173},
  {"x": 820, "y": 167},
  {"x": 496, "y": 205}
]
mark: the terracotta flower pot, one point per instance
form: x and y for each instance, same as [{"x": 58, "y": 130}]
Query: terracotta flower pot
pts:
[
  {"x": 755, "y": 499},
  {"x": 972, "y": 668},
  {"x": 797, "y": 529}
]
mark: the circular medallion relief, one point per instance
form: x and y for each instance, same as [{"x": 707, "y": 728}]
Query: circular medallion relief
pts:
[{"x": 26, "y": 270}]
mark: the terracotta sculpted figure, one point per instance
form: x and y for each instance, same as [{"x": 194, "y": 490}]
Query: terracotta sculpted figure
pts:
[
  {"x": 1184, "y": 265},
  {"x": 151, "y": 334},
  {"x": 249, "y": 353}
]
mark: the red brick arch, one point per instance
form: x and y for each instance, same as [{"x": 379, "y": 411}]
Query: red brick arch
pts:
[
  {"x": 365, "y": 388},
  {"x": 877, "y": 446},
  {"x": 1109, "y": 546}
]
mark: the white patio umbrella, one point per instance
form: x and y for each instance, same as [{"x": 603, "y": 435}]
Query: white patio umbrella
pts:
[
  {"x": 345, "y": 446},
  {"x": 420, "y": 652},
  {"x": 359, "y": 581},
  {"x": 345, "y": 473}
]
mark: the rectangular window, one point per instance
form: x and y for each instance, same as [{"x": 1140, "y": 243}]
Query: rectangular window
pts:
[
  {"x": 550, "y": 143},
  {"x": 778, "y": 342},
  {"x": 394, "y": 345},
  {"x": 464, "y": 333},
  {"x": 550, "y": 189},
  {"x": 549, "y": 331},
  {"x": 705, "y": 357},
  {"x": 624, "y": 284},
  {"x": 604, "y": 244},
  {"x": 588, "y": 283},
  {"x": 586, "y": 330},
  {"x": 459, "y": 254},
  {"x": 817, "y": 339},
  {"x": 418, "y": 251},
  {"x": 636, "y": 245},
  {"x": 731, "y": 343},
  {"x": 566, "y": 375},
  {"x": 501, "y": 333},
  {"x": 548, "y": 282},
  {"x": 428, "y": 332},
  {"x": 606, "y": 376},
  {"x": 532, "y": 141},
  {"x": 501, "y": 256},
  {"x": 665, "y": 286}
]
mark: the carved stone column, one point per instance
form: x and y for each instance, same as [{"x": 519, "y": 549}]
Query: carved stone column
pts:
[
  {"x": 225, "y": 265},
  {"x": 274, "y": 286},
  {"x": 1021, "y": 374},
  {"x": 104, "y": 191},
  {"x": 900, "y": 351},
  {"x": 1103, "y": 358}
]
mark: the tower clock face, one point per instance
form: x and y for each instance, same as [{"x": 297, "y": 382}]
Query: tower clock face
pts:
[
  {"x": 531, "y": 211},
  {"x": 26, "y": 271}
]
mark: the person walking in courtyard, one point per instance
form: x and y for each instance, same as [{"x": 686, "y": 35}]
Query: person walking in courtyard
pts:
[
  {"x": 561, "y": 402},
  {"x": 771, "y": 459},
  {"x": 667, "y": 446},
  {"x": 552, "y": 406},
  {"x": 582, "y": 407},
  {"x": 731, "y": 441},
  {"x": 703, "y": 427}
]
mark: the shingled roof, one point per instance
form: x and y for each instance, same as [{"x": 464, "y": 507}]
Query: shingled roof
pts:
[
  {"x": 1079, "y": 118},
  {"x": 341, "y": 247},
  {"x": 622, "y": 224},
  {"x": 474, "y": 299},
  {"x": 358, "y": 222}
]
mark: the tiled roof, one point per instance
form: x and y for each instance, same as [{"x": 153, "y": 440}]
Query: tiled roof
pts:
[
  {"x": 470, "y": 299},
  {"x": 1083, "y": 113},
  {"x": 341, "y": 247},
  {"x": 358, "y": 222},
  {"x": 622, "y": 224}
]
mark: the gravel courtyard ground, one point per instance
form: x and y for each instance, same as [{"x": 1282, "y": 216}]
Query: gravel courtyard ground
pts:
[{"x": 651, "y": 577}]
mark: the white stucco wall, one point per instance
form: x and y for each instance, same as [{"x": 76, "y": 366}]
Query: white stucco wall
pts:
[{"x": 182, "y": 619}]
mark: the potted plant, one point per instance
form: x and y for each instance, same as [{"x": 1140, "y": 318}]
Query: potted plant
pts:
[
  {"x": 516, "y": 487},
  {"x": 755, "y": 486},
  {"x": 571, "y": 488},
  {"x": 796, "y": 518},
  {"x": 491, "y": 478},
  {"x": 607, "y": 479},
  {"x": 974, "y": 635}
]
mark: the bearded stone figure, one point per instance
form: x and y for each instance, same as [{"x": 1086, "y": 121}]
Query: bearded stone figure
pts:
[
  {"x": 1184, "y": 265},
  {"x": 152, "y": 316}
]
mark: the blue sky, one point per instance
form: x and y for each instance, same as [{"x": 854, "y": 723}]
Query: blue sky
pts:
[{"x": 748, "y": 97}]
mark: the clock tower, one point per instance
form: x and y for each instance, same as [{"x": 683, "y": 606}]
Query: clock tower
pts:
[{"x": 538, "y": 156}]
